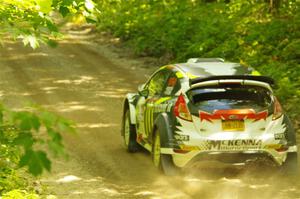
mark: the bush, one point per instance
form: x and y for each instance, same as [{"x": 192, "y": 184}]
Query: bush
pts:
[
  {"x": 19, "y": 194},
  {"x": 26, "y": 137}
]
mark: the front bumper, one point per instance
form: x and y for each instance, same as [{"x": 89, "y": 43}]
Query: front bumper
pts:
[{"x": 228, "y": 158}]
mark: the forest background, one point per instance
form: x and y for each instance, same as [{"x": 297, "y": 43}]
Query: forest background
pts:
[{"x": 264, "y": 34}]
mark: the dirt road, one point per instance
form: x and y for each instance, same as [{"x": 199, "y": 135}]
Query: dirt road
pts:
[{"x": 86, "y": 82}]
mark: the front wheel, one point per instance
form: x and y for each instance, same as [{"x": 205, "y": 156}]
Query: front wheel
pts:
[
  {"x": 163, "y": 162},
  {"x": 129, "y": 134}
]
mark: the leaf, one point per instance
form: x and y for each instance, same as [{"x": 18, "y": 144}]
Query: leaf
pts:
[
  {"x": 48, "y": 119},
  {"x": 35, "y": 122},
  {"x": 44, "y": 5},
  {"x": 52, "y": 43},
  {"x": 25, "y": 158},
  {"x": 26, "y": 121},
  {"x": 23, "y": 120},
  {"x": 44, "y": 160},
  {"x": 65, "y": 126},
  {"x": 36, "y": 162},
  {"x": 31, "y": 40},
  {"x": 25, "y": 139},
  {"x": 64, "y": 11},
  {"x": 90, "y": 20},
  {"x": 51, "y": 26},
  {"x": 67, "y": 2},
  {"x": 89, "y": 5},
  {"x": 56, "y": 147},
  {"x": 56, "y": 137}
]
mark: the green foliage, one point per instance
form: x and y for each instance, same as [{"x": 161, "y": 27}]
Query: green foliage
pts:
[
  {"x": 26, "y": 137},
  {"x": 32, "y": 21},
  {"x": 19, "y": 194},
  {"x": 254, "y": 32}
]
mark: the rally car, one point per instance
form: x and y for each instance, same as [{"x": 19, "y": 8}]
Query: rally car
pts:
[{"x": 208, "y": 111}]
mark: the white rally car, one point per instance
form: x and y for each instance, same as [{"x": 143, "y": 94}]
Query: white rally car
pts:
[{"x": 208, "y": 110}]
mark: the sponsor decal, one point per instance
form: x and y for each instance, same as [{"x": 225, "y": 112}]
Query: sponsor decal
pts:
[
  {"x": 279, "y": 136},
  {"x": 234, "y": 144},
  {"x": 182, "y": 137},
  {"x": 236, "y": 114},
  {"x": 179, "y": 75},
  {"x": 189, "y": 148}
]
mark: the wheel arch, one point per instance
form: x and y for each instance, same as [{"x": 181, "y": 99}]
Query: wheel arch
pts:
[
  {"x": 162, "y": 122},
  {"x": 128, "y": 104}
]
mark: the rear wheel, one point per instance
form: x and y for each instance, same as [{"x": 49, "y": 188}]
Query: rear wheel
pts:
[
  {"x": 162, "y": 161},
  {"x": 129, "y": 134}
]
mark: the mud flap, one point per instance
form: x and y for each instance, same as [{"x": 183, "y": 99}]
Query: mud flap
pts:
[
  {"x": 290, "y": 167},
  {"x": 166, "y": 141},
  {"x": 290, "y": 132},
  {"x": 167, "y": 165}
]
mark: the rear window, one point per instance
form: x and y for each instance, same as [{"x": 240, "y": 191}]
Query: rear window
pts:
[{"x": 231, "y": 97}]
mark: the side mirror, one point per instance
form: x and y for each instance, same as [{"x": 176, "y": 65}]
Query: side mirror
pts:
[{"x": 143, "y": 91}]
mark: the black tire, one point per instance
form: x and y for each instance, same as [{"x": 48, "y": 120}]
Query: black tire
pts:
[
  {"x": 164, "y": 162},
  {"x": 130, "y": 142},
  {"x": 290, "y": 166}
]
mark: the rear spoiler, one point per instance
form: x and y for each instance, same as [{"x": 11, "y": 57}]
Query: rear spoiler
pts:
[{"x": 264, "y": 79}]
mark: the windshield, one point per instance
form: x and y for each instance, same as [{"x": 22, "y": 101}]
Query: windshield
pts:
[{"x": 231, "y": 97}]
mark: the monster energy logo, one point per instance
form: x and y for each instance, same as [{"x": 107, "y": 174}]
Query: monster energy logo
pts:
[{"x": 234, "y": 144}]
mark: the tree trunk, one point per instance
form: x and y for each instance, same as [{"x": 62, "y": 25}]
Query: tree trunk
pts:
[{"x": 274, "y": 6}]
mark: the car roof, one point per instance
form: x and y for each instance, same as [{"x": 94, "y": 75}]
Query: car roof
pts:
[{"x": 207, "y": 69}]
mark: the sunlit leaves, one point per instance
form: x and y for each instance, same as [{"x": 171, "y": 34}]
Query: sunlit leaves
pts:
[
  {"x": 32, "y": 21},
  {"x": 30, "y": 40},
  {"x": 44, "y": 5},
  {"x": 27, "y": 132},
  {"x": 20, "y": 194},
  {"x": 27, "y": 20}
]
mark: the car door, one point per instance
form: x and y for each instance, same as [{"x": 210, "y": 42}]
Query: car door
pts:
[{"x": 145, "y": 105}]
